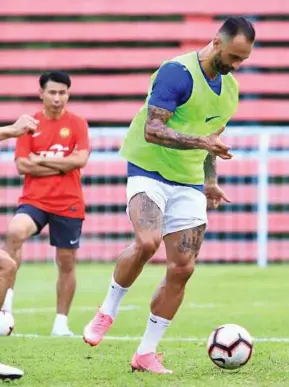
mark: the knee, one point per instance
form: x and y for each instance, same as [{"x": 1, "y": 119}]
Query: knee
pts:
[
  {"x": 147, "y": 246},
  {"x": 66, "y": 261},
  {"x": 180, "y": 273},
  {"x": 16, "y": 234},
  {"x": 8, "y": 266}
]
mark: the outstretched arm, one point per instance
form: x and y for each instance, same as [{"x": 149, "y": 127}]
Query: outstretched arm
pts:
[
  {"x": 5, "y": 132},
  {"x": 23, "y": 125}
]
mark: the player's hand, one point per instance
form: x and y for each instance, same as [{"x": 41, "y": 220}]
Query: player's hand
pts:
[
  {"x": 216, "y": 146},
  {"x": 35, "y": 158},
  {"x": 215, "y": 195},
  {"x": 23, "y": 125}
]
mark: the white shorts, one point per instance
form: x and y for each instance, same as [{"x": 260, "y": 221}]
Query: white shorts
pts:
[{"x": 182, "y": 207}]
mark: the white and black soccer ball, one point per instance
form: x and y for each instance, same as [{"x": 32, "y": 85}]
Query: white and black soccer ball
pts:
[
  {"x": 6, "y": 323},
  {"x": 230, "y": 346}
]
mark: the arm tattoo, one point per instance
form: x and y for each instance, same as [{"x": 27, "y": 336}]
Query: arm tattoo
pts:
[
  {"x": 158, "y": 133},
  {"x": 210, "y": 167},
  {"x": 145, "y": 214},
  {"x": 191, "y": 240}
]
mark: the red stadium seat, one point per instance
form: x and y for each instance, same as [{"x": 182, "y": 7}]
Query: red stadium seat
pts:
[
  {"x": 149, "y": 7},
  {"x": 263, "y": 83},
  {"x": 249, "y": 167},
  {"x": 129, "y": 58},
  {"x": 27, "y": 85},
  {"x": 86, "y": 58},
  {"x": 197, "y": 30},
  {"x": 133, "y": 84}
]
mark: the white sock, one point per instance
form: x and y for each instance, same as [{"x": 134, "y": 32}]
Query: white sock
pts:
[
  {"x": 155, "y": 330},
  {"x": 113, "y": 299},
  {"x": 60, "y": 322},
  {"x": 7, "y": 306}
]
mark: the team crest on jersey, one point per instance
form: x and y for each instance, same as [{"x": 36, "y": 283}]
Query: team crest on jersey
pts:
[{"x": 64, "y": 132}]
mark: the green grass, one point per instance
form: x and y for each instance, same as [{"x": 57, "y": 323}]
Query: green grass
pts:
[{"x": 246, "y": 295}]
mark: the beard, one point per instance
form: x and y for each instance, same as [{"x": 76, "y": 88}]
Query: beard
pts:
[{"x": 220, "y": 67}]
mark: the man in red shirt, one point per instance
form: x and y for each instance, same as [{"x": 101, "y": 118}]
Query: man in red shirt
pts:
[
  {"x": 7, "y": 265},
  {"x": 50, "y": 159}
]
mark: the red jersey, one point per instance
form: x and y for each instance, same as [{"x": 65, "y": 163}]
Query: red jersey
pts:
[{"x": 59, "y": 194}]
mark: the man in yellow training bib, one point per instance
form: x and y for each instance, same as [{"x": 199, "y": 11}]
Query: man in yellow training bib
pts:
[{"x": 171, "y": 149}]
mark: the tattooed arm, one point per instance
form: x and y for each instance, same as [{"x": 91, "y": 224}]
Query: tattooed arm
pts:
[
  {"x": 157, "y": 132},
  {"x": 210, "y": 169},
  {"x": 213, "y": 192}
]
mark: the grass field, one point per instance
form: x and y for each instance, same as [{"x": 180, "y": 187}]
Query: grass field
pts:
[{"x": 246, "y": 295}]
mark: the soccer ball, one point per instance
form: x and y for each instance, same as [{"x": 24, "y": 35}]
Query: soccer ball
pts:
[
  {"x": 230, "y": 346},
  {"x": 6, "y": 323}
]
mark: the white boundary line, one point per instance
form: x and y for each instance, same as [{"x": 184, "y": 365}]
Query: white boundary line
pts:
[
  {"x": 168, "y": 339},
  {"x": 128, "y": 308},
  {"x": 124, "y": 308},
  {"x": 202, "y": 306}
]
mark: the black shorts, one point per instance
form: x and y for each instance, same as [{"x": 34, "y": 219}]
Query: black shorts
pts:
[{"x": 64, "y": 232}]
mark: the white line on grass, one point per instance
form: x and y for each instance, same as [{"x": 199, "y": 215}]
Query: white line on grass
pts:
[
  {"x": 169, "y": 339},
  {"x": 78, "y": 308},
  {"x": 126, "y": 308},
  {"x": 257, "y": 304},
  {"x": 202, "y": 306}
]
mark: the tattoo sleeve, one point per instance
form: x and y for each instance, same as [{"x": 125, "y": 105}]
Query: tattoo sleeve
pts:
[
  {"x": 210, "y": 168},
  {"x": 145, "y": 214},
  {"x": 191, "y": 240},
  {"x": 157, "y": 132}
]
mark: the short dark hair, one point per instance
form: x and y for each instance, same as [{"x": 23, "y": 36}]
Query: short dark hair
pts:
[
  {"x": 55, "y": 76},
  {"x": 236, "y": 25}
]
